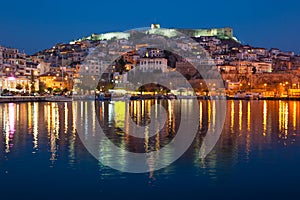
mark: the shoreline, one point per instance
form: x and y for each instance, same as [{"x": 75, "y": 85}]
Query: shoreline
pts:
[{"x": 18, "y": 99}]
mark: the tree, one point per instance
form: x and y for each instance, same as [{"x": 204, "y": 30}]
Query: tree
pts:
[
  {"x": 142, "y": 89},
  {"x": 27, "y": 87},
  {"x": 253, "y": 70},
  {"x": 42, "y": 87},
  {"x": 57, "y": 90},
  {"x": 181, "y": 91},
  {"x": 167, "y": 90},
  {"x": 188, "y": 77},
  {"x": 5, "y": 91},
  {"x": 50, "y": 89},
  {"x": 32, "y": 88},
  {"x": 19, "y": 86},
  {"x": 65, "y": 90}
]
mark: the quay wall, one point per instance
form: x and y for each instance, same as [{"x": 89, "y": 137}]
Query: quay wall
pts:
[{"x": 9, "y": 99}]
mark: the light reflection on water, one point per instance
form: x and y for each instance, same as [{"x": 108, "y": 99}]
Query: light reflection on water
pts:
[
  {"x": 48, "y": 130},
  {"x": 58, "y": 121}
]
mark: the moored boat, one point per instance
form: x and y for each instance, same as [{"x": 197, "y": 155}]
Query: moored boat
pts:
[
  {"x": 103, "y": 96},
  {"x": 59, "y": 99}
]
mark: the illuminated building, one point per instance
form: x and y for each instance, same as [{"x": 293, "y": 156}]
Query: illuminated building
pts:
[
  {"x": 16, "y": 73},
  {"x": 12, "y": 62},
  {"x": 57, "y": 79},
  {"x": 224, "y": 33}
]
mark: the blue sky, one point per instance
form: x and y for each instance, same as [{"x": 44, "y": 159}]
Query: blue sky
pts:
[{"x": 35, "y": 25}]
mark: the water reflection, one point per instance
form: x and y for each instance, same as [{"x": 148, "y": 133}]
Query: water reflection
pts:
[
  {"x": 268, "y": 126},
  {"x": 49, "y": 129},
  {"x": 9, "y": 124},
  {"x": 265, "y": 112},
  {"x": 114, "y": 118},
  {"x": 37, "y": 126}
]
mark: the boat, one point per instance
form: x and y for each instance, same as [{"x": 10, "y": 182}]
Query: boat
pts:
[
  {"x": 135, "y": 97},
  {"x": 120, "y": 97},
  {"x": 59, "y": 99},
  {"x": 248, "y": 96},
  {"x": 240, "y": 95},
  {"x": 103, "y": 96}
]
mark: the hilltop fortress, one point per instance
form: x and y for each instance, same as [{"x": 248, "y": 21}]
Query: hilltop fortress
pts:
[{"x": 222, "y": 33}]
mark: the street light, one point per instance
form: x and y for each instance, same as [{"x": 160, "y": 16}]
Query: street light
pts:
[{"x": 265, "y": 86}]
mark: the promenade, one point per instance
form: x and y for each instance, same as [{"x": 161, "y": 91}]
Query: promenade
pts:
[{"x": 9, "y": 99}]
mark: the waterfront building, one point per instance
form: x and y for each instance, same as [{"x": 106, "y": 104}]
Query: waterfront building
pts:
[
  {"x": 16, "y": 75},
  {"x": 18, "y": 84},
  {"x": 57, "y": 80}
]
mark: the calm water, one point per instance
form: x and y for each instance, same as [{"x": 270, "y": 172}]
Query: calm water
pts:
[{"x": 257, "y": 155}]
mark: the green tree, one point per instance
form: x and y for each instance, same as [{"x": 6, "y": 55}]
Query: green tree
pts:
[{"x": 57, "y": 90}]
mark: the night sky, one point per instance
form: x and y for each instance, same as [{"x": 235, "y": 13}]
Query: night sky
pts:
[{"x": 35, "y": 25}]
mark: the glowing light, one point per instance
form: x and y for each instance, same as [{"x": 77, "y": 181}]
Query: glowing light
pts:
[
  {"x": 265, "y": 118},
  {"x": 201, "y": 115},
  {"x": 294, "y": 115},
  {"x": 35, "y": 125},
  {"x": 119, "y": 116},
  {"x": 283, "y": 119},
  {"x": 214, "y": 115},
  {"x": 240, "y": 115},
  {"x": 11, "y": 78},
  {"x": 66, "y": 116},
  {"x": 248, "y": 116},
  {"x": 209, "y": 111},
  {"x": 232, "y": 117}
]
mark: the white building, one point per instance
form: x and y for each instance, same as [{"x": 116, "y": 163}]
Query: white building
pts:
[
  {"x": 12, "y": 62},
  {"x": 153, "y": 64},
  {"x": 262, "y": 67}
]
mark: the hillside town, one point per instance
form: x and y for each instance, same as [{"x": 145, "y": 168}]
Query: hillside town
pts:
[{"x": 57, "y": 70}]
